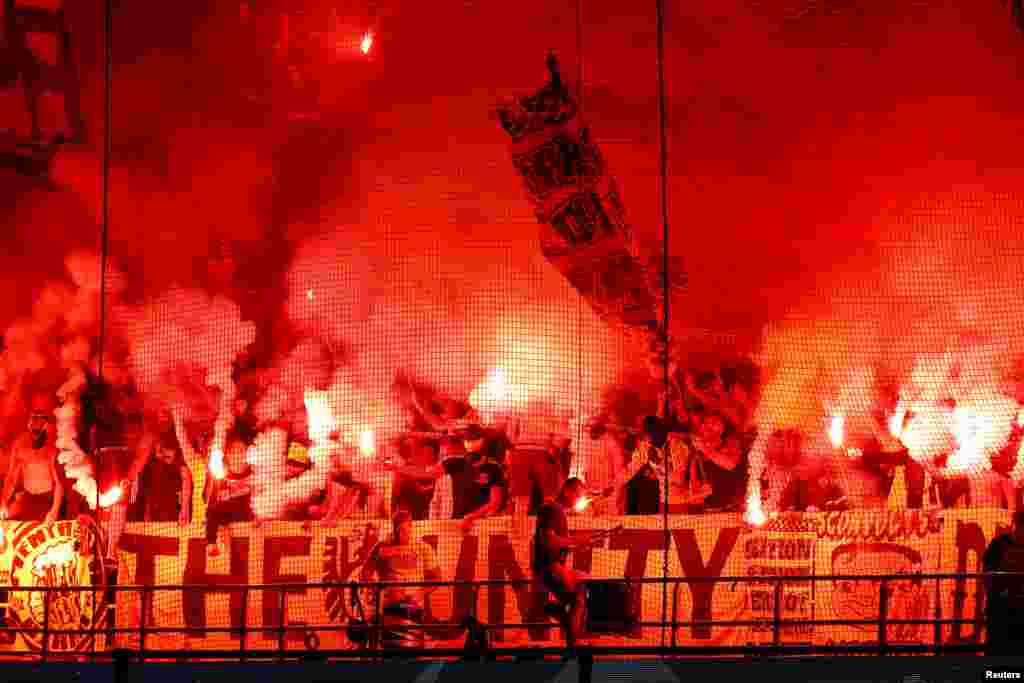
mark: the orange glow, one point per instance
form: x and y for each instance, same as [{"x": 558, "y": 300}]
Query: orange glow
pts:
[
  {"x": 309, "y": 294},
  {"x": 319, "y": 416},
  {"x": 111, "y": 497},
  {"x": 582, "y": 504},
  {"x": 968, "y": 429},
  {"x": 896, "y": 422},
  {"x": 367, "y": 43},
  {"x": 367, "y": 442},
  {"x": 217, "y": 464},
  {"x": 493, "y": 395},
  {"x": 754, "y": 514},
  {"x": 836, "y": 430}
]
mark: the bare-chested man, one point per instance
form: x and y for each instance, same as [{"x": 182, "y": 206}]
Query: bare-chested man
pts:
[{"x": 32, "y": 477}]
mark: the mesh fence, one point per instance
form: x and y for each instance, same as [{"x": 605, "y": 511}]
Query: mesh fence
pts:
[{"x": 318, "y": 293}]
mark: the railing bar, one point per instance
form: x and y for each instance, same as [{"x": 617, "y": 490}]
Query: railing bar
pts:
[
  {"x": 142, "y": 619},
  {"x": 525, "y": 582},
  {"x": 281, "y": 627},
  {"x": 245, "y": 623},
  {"x": 777, "y": 615},
  {"x": 44, "y": 650},
  {"x": 519, "y": 625},
  {"x": 883, "y": 614}
]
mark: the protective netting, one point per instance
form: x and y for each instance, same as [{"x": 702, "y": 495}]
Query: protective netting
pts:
[{"x": 343, "y": 276}]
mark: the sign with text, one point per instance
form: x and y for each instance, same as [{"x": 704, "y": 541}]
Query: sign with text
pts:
[{"x": 851, "y": 543}]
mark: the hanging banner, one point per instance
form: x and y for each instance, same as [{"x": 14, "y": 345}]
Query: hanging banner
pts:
[{"x": 584, "y": 233}]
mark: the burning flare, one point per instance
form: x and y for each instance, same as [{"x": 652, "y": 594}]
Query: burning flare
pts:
[
  {"x": 493, "y": 396},
  {"x": 754, "y": 514},
  {"x": 366, "y": 43},
  {"x": 217, "y": 468},
  {"x": 111, "y": 497},
  {"x": 582, "y": 504},
  {"x": 367, "y": 443},
  {"x": 836, "y": 431}
]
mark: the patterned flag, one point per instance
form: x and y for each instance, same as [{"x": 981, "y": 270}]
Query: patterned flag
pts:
[{"x": 584, "y": 233}]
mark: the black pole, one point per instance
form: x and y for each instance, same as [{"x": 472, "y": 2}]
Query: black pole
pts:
[
  {"x": 108, "y": 52},
  {"x": 663, "y": 163},
  {"x": 108, "y": 58}
]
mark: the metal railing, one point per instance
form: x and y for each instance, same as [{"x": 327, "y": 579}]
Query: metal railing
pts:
[{"x": 46, "y": 632}]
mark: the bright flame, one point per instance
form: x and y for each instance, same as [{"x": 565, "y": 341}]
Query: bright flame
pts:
[
  {"x": 319, "y": 416},
  {"x": 836, "y": 430},
  {"x": 367, "y": 442},
  {"x": 581, "y": 504},
  {"x": 493, "y": 395},
  {"x": 754, "y": 515},
  {"x": 896, "y": 422},
  {"x": 309, "y": 294},
  {"x": 217, "y": 468},
  {"x": 366, "y": 44},
  {"x": 110, "y": 497},
  {"x": 968, "y": 429}
]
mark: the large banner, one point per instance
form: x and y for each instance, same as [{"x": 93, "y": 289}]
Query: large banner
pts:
[
  {"x": 35, "y": 557},
  {"x": 227, "y": 592},
  {"x": 851, "y": 543}
]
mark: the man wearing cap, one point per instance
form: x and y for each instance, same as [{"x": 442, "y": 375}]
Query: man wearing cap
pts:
[{"x": 32, "y": 476}]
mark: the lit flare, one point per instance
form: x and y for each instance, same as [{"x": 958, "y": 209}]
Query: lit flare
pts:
[
  {"x": 111, "y": 497},
  {"x": 493, "y": 395},
  {"x": 754, "y": 514},
  {"x": 367, "y": 442},
  {"x": 582, "y": 504},
  {"x": 366, "y": 43},
  {"x": 320, "y": 418},
  {"x": 896, "y": 422},
  {"x": 836, "y": 430},
  {"x": 217, "y": 468}
]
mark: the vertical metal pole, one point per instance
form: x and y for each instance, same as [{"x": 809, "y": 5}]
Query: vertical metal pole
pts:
[
  {"x": 243, "y": 632},
  {"x": 675, "y": 610},
  {"x": 777, "y": 613},
  {"x": 377, "y": 617},
  {"x": 883, "y": 614},
  {"x": 46, "y": 623},
  {"x": 147, "y": 599},
  {"x": 281, "y": 629}
]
